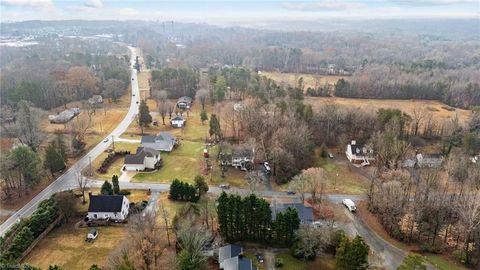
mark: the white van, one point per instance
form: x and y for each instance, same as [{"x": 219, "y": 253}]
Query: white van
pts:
[{"x": 349, "y": 204}]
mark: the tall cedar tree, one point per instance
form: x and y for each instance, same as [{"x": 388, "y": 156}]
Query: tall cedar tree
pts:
[
  {"x": 203, "y": 117},
  {"x": 145, "y": 118},
  {"x": 200, "y": 185},
  {"x": 116, "y": 187},
  {"x": 215, "y": 127},
  {"x": 182, "y": 191}
]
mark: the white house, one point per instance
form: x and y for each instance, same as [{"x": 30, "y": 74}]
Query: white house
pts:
[
  {"x": 359, "y": 154},
  {"x": 242, "y": 157},
  {"x": 144, "y": 158},
  {"x": 162, "y": 142},
  {"x": 178, "y": 121},
  {"x": 114, "y": 207}
]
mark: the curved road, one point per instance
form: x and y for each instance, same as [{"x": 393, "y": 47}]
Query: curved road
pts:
[{"x": 67, "y": 180}]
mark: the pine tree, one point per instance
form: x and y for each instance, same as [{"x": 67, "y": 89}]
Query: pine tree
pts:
[
  {"x": 116, "y": 187},
  {"x": 106, "y": 188},
  {"x": 200, "y": 185},
  {"x": 203, "y": 117},
  {"x": 215, "y": 127},
  {"x": 54, "y": 161},
  {"x": 145, "y": 118},
  {"x": 352, "y": 254},
  {"x": 61, "y": 147}
]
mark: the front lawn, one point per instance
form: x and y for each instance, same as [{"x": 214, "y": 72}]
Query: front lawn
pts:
[{"x": 116, "y": 166}]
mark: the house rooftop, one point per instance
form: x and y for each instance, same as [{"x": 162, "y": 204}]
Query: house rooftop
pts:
[
  {"x": 227, "y": 252},
  {"x": 238, "y": 263},
  {"x": 305, "y": 213},
  {"x": 178, "y": 117},
  {"x": 105, "y": 203}
]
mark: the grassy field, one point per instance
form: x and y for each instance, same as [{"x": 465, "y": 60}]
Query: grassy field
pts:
[
  {"x": 442, "y": 263},
  {"x": 66, "y": 246},
  {"x": 116, "y": 165},
  {"x": 310, "y": 80},
  {"x": 438, "y": 110}
]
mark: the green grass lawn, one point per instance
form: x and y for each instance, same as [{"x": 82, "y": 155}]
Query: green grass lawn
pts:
[
  {"x": 291, "y": 263},
  {"x": 442, "y": 263}
]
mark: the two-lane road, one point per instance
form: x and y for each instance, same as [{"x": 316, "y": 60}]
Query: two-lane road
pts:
[{"x": 67, "y": 180}]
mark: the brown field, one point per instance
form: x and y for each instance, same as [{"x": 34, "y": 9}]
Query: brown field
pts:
[
  {"x": 439, "y": 110},
  {"x": 310, "y": 80}
]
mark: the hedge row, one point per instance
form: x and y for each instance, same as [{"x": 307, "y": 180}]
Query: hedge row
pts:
[{"x": 110, "y": 159}]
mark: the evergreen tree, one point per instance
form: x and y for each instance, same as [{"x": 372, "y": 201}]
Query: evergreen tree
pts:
[
  {"x": 54, "y": 161},
  {"x": 106, "y": 188},
  {"x": 352, "y": 254},
  {"x": 145, "y": 118},
  {"x": 200, "y": 185},
  {"x": 116, "y": 187},
  {"x": 61, "y": 147},
  {"x": 215, "y": 127},
  {"x": 220, "y": 89},
  {"x": 203, "y": 117}
]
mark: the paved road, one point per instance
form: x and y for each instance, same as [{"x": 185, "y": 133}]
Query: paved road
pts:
[{"x": 67, "y": 179}]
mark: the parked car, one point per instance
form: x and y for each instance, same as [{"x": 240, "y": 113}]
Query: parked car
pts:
[
  {"x": 349, "y": 204},
  {"x": 92, "y": 235},
  {"x": 225, "y": 186},
  {"x": 330, "y": 155},
  {"x": 260, "y": 258},
  {"x": 106, "y": 140},
  {"x": 291, "y": 192}
]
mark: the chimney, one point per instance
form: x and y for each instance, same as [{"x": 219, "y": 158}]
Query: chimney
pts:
[{"x": 353, "y": 142}]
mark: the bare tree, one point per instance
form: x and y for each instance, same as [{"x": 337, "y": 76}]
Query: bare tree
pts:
[
  {"x": 82, "y": 183},
  {"x": 165, "y": 217},
  {"x": 299, "y": 184},
  {"x": 254, "y": 179},
  {"x": 468, "y": 208},
  {"x": 202, "y": 96}
]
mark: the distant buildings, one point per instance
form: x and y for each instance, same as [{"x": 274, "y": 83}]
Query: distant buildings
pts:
[
  {"x": 64, "y": 116},
  {"x": 429, "y": 160}
]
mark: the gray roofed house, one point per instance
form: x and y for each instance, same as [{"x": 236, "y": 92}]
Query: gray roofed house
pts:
[
  {"x": 164, "y": 141},
  {"x": 64, "y": 116},
  {"x": 178, "y": 121},
  {"x": 241, "y": 157},
  {"x": 238, "y": 263},
  {"x": 227, "y": 252},
  {"x": 144, "y": 158},
  {"x": 305, "y": 213},
  {"x": 184, "y": 102}
]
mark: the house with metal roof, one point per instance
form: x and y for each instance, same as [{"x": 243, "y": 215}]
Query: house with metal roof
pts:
[
  {"x": 64, "y": 116},
  {"x": 144, "y": 158},
  {"x": 305, "y": 213},
  {"x": 114, "y": 207},
  {"x": 164, "y": 141}
]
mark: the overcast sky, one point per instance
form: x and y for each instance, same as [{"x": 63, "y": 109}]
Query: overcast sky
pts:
[{"x": 234, "y": 11}]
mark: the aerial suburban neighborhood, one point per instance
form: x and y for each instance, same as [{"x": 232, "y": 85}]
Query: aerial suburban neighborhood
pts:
[{"x": 268, "y": 135}]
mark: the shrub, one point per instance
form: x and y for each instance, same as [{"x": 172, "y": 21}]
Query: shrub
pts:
[
  {"x": 279, "y": 262},
  {"x": 460, "y": 256},
  {"x": 124, "y": 192}
]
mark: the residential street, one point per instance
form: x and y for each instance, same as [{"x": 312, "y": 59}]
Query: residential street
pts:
[{"x": 67, "y": 180}]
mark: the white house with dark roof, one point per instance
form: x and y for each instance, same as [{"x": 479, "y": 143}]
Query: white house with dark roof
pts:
[
  {"x": 144, "y": 158},
  {"x": 240, "y": 157},
  {"x": 164, "y": 141},
  {"x": 359, "y": 154},
  {"x": 178, "y": 121},
  {"x": 113, "y": 207}
]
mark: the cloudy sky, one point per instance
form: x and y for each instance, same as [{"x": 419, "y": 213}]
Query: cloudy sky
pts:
[{"x": 234, "y": 11}]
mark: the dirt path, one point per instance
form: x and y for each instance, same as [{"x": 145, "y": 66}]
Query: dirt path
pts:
[{"x": 269, "y": 260}]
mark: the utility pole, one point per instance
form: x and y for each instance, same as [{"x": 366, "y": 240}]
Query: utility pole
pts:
[
  {"x": 113, "y": 144},
  {"x": 90, "y": 172}
]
